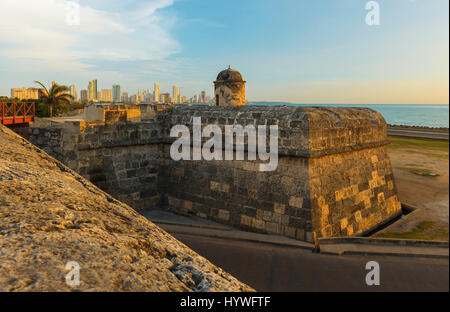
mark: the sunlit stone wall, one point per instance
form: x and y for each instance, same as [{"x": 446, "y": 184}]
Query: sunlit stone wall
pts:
[{"x": 333, "y": 178}]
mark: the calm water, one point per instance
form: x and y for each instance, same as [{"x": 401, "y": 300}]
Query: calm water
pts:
[{"x": 397, "y": 114}]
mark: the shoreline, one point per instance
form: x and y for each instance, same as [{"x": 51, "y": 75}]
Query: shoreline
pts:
[{"x": 431, "y": 129}]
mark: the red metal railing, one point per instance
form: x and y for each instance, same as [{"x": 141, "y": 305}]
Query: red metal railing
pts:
[{"x": 17, "y": 112}]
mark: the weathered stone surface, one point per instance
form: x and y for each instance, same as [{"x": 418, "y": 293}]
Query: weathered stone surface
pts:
[
  {"x": 333, "y": 166},
  {"x": 229, "y": 88},
  {"x": 50, "y": 215}
]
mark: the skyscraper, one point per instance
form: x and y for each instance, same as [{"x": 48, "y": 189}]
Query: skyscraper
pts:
[
  {"x": 175, "y": 94},
  {"x": 92, "y": 90},
  {"x": 156, "y": 98},
  {"x": 125, "y": 97},
  {"x": 117, "y": 93},
  {"x": 203, "y": 97},
  {"x": 84, "y": 96},
  {"x": 73, "y": 91}
]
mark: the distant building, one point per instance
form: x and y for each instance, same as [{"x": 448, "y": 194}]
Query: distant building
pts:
[
  {"x": 148, "y": 96},
  {"x": 134, "y": 99},
  {"x": 92, "y": 90},
  {"x": 117, "y": 93},
  {"x": 203, "y": 97},
  {"x": 229, "y": 88},
  {"x": 105, "y": 95},
  {"x": 140, "y": 96},
  {"x": 165, "y": 98},
  {"x": 26, "y": 93},
  {"x": 156, "y": 93},
  {"x": 73, "y": 91},
  {"x": 125, "y": 97},
  {"x": 175, "y": 94},
  {"x": 84, "y": 96}
]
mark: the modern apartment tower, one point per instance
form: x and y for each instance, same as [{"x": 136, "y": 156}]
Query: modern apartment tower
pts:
[
  {"x": 175, "y": 94},
  {"x": 156, "y": 98},
  {"x": 73, "y": 91},
  {"x": 84, "y": 96},
  {"x": 117, "y": 93},
  {"x": 92, "y": 90}
]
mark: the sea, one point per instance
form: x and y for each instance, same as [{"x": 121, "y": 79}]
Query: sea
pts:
[{"x": 423, "y": 115}]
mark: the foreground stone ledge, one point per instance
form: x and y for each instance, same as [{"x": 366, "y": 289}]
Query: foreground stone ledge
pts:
[{"x": 50, "y": 215}]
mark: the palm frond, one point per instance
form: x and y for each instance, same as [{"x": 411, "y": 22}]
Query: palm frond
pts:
[
  {"x": 57, "y": 89},
  {"x": 42, "y": 85}
]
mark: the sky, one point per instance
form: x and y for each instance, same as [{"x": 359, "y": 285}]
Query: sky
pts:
[{"x": 299, "y": 51}]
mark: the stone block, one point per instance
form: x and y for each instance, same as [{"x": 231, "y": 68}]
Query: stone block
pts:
[
  {"x": 279, "y": 208},
  {"x": 296, "y": 202}
]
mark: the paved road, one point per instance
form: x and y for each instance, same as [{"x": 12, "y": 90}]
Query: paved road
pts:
[
  {"x": 418, "y": 133},
  {"x": 272, "y": 268}
]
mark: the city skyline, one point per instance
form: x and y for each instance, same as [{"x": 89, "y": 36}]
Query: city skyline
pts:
[
  {"x": 94, "y": 87},
  {"x": 95, "y": 94},
  {"x": 294, "y": 51}
]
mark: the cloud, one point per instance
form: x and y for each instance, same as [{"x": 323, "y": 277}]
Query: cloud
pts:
[{"x": 35, "y": 35}]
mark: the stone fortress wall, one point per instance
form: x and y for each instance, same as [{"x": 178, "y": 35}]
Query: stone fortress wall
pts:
[{"x": 333, "y": 178}]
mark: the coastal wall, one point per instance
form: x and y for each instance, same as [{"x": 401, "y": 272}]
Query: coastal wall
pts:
[{"x": 333, "y": 176}]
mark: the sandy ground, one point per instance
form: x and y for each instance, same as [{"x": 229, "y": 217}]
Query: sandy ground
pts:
[{"x": 429, "y": 194}]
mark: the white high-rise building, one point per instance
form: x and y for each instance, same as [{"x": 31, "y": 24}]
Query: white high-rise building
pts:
[
  {"x": 73, "y": 91},
  {"x": 92, "y": 90},
  {"x": 175, "y": 94},
  {"x": 156, "y": 97}
]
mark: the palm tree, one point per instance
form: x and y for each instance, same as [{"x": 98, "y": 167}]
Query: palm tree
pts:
[{"x": 56, "y": 97}]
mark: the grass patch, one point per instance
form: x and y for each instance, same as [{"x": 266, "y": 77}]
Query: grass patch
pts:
[
  {"x": 398, "y": 142},
  {"x": 440, "y": 156},
  {"x": 419, "y": 171},
  {"x": 425, "y": 230}
]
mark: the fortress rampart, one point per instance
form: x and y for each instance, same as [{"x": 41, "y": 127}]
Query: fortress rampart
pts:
[{"x": 333, "y": 178}]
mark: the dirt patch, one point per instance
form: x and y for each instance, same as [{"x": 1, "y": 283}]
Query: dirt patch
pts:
[{"x": 421, "y": 171}]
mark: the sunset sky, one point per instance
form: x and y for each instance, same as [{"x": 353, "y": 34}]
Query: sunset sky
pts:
[{"x": 287, "y": 50}]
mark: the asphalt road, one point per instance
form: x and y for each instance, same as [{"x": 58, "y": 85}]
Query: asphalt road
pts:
[
  {"x": 276, "y": 268},
  {"x": 416, "y": 133}
]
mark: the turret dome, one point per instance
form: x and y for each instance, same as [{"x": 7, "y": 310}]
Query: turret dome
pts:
[{"x": 229, "y": 75}]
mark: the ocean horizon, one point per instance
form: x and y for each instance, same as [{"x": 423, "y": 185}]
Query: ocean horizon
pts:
[{"x": 423, "y": 115}]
